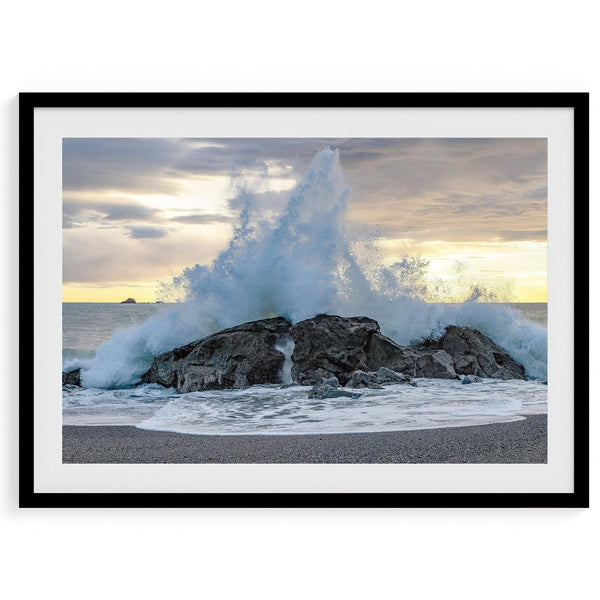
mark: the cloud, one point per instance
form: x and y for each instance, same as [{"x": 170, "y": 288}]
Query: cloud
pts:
[
  {"x": 455, "y": 190},
  {"x": 78, "y": 213},
  {"x": 541, "y": 192},
  {"x": 69, "y": 221},
  {"x": 143, "y": 233},
  {"x": 114, "y": 164},
  {"x": 203, "y": 219},
  {"x": 92, "y": 255},
  {"x": 126, "y": 212}
]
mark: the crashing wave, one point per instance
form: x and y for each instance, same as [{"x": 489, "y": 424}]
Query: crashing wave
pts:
[{"x": 298, "y": 264}]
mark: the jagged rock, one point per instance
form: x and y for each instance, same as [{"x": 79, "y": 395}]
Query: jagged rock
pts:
[
  {"x": 328, "y": 345},
  {"x": 436, "y": 364},
  {"x": 467, "y": 379},
  {"x": 72, "y": 377},
  {"x": 322, "y": 391},
  {"x": 233, "y": 358},
  {"x": 129, "y": 301},
  {"x": 360, "y": 379},
  {"x": 376, "y": 381},
  {"x": 329, "y": 350},
  {"x": 474, "y": 353},
  {"x": 387, "y": 376},
  {"x": 329, "y": 388},
  {"x": 417, "y": 361}
]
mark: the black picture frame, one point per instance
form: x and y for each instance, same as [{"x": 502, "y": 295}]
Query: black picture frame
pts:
[{"x": 579, "y": 102}]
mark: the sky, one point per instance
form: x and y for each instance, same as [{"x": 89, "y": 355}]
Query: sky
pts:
[{"x": 138, "y": 211}]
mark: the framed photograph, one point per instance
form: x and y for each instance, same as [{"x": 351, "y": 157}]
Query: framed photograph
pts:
[{"x": 302, "y": 300}]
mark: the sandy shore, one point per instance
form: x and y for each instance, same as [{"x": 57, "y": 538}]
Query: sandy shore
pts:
[{"x": 517, "y": 442}]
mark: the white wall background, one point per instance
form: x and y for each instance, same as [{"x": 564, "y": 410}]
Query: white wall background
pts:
[{"x": 276, "y": 46}]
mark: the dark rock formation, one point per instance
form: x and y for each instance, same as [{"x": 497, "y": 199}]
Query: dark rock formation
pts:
[
  {"x": 330, "y": 388},
  {"x": 376, "y": 381},
  {"x": 467, "y": 379},
  {"x": 361, "y": 379},
  {"x": 129, "y": 301},
  {"x": 417, "y": 361},
  {"x": 233, "y": 358},
  {"x": 329, "y": 350},
  {"x": 72, "y": 377},
  {"x": 436, "y": 364},
  {"x": 385, "y": 376},
  {"x": 328, "y": 345},
  {"x": 473, "y": 353}
]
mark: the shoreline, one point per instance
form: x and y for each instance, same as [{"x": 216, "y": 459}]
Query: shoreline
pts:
[{"x": 523, "y": 441}]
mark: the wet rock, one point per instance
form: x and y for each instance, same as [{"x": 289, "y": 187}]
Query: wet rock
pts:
[
  {"x": 72, "y": 377},
  {"x": 467, "y": 379},
  {"x": 360, "y": 379},
  {"x": 417, "y": 361},
  {"x": 233, "y": 358},
  {"x": 385, "y": 376},
  {"x": 329, "y": 351},
  {"x": 474, "y": 353},
  {"x": 329, "y": 345},
  {"x": 377, "y": 380},
  {"x": 435, "y": 364}
]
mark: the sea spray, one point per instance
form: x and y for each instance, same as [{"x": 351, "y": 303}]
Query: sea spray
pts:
[
  {"x": 297, "y": 264},
  {"x": 286, "y": 347}
]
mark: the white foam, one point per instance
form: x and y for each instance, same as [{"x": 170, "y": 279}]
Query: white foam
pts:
[
  {"x": 268, "y": 410},
  {"x": 93, "y": 406}
]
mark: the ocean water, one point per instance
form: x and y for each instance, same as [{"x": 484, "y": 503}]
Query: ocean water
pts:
[
  {"x": 86, "y": 325},
  {"x": 273, "y": 409},
  {"x": 296, "y": 262}
]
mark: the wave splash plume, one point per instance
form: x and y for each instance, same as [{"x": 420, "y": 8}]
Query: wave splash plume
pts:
[{"x": 298, "y": 264}]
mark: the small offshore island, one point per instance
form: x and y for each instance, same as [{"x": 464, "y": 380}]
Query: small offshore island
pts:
[{"x": 334, "y": 357}]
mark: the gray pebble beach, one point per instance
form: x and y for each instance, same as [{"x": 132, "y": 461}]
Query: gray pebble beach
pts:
[{"x": 522, "y": 441}]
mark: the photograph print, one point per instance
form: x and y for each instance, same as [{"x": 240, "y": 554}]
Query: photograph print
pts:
[{"x": 304, "y": 300}]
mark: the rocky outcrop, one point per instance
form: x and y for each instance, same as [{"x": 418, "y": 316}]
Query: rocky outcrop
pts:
[
  {"x": 362, "y": 379},
  {"x": 328, "y": 345},
  {"x": 436, "y": 364},
  {"x": 72, "y": 377},
  {"x": 323, "y": 390},
  {"x": 417, "y": 361},
  {"x": 233, "y": 358},
  {"x": 129, "y": 301},
  {"x": 474, "y": 353},
  {"x": 385, "y": 376},
  {"x": 377, "y": 381},
  {"x": 329, "y": 352}
]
